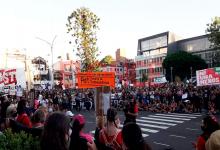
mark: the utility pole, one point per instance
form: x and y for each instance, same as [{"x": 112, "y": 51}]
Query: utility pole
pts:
[
  {"x": 191, "y": 72},
  {"x": 51, "y": 49},
  {"x": 171, "y": 74}
]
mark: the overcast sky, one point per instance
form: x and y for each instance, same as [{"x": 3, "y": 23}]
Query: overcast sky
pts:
[{"x": 122, "y": 22}]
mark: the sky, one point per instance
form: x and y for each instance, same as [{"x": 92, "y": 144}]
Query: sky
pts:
[{"x": 122, "y": 23}]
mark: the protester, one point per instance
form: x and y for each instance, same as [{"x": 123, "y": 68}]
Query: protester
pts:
[
  {"x": 132, "y": 138},
  {"x": 209, "y": 125},
  {"x": 38, "y": 119},
  {"x": 78, "y": 138},
  {"x": 110, "y": 136},
  {"x": 131, "y": 112},
  {"x": 22, "y": 117},
  {"x": 56, "y": 133}
]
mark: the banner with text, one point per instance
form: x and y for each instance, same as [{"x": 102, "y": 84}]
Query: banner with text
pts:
[
  {"x": 95, "y": 79},
  {"x": 209, "y": 76},
  {"x": 10, "y": 79}
]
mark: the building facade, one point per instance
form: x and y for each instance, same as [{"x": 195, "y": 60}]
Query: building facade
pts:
[
  {"x": 150, "y": 55},
  {"x": 199, "y": 45},
  {"x": 65, "y": 71},
  {"x": 152, "y": 51},
  {"x": 40, "y": 74}
]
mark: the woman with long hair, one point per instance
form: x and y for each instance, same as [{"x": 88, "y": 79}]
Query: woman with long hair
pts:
[
  {"x": 79, "y": 139},
  {"x": 132, "y": 138},
  {"x": 110, "y": 136},
  {"x": 22, "y": 117},
  {"x": 56, "y": 132}
]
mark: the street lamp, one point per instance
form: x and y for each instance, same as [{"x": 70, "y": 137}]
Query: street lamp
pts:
[
  {"x": 51, "y": 49},
  {"x": 171, "y": 73}
]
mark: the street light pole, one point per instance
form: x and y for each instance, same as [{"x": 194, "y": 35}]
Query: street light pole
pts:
[
  {"x": 171, "y": 73},
  {"x": 51, "y": 49}
]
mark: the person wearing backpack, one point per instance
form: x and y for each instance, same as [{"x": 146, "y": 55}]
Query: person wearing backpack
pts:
[{"x": 110, "y": 137}]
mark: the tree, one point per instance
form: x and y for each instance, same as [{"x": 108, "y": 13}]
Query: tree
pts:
[
  {"x": 216, "y": 59},
  {"x": 144, "y": 77},
  {"x": 82, "y": 26},
  {"x": 107, "y": 60},
  {"x": 179, "y": 64},
  {"x": 213, "y": 30}
]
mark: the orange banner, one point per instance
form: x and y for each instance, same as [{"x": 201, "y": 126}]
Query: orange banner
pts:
[{"x": 95, "y": 79}]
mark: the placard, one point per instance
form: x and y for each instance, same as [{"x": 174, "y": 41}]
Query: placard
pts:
[
  {"x": 209, "y": 76},
  {"x": 95, "y": 79}
]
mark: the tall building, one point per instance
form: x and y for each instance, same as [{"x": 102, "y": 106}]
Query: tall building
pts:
[
  {"x": 151, "y": 52},
  {"x": 120, "y": 55},
  {"x": 199, "y": 45}
]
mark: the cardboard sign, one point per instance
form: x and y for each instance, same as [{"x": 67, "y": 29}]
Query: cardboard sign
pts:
[
  {"x": 209, "y": 76},
  {"x": 95, "y": 79}
]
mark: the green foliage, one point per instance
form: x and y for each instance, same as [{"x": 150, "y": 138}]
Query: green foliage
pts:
[
  {"x": 18, "y": 141},
  {"x": 107, "y": 60},
  {"x": 144, "y": 77},
  {"x": 213, "y": 30},
  {"x": 181, "y": 62},
  {"x": 216, "y": 59},
  {"x": 82, "y": 26}
]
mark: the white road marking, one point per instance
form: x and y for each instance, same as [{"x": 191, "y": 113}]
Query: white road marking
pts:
[
  {"x": 161, "y": 144},
  {"x": 155, "y": 122},
  {"x": 154, "y": 126},
  {"x": 144, "y": 135},
  {"x": 176, "y": 116},
  {"x": 93, "y": 132},
  {"x": 178, "y": 136},
  {"x": 169, "y": 118},
  {"x": 149, "y": 130},
  {"x": 145, "y": 129},
  {"x": 150, "y": 118},
  {"x": 192, "y": 129},
  {"x": 195, "y": 115}
]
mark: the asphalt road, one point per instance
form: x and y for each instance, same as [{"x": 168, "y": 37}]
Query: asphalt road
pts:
[{"x": 161, "y": 131}]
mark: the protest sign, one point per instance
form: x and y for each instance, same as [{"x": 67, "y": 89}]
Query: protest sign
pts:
[
  {"x": 210, "y": 76},
  {"x": 95, "y": 79}
]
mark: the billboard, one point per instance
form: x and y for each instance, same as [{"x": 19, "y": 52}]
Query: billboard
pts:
[
  {"x": 210, "y": 76},
  {"x": 10, "y": 79}
]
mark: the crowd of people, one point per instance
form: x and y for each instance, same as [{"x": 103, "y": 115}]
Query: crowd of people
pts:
[{"x": 49, "y": 116}]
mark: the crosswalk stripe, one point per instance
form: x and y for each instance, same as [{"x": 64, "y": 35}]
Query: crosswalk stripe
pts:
[
  {"x": 149, "y": 130},
  {"x": 155, "y": 122},
  {"x": 174, "y": 118},
  {"x": 153, "y": 126},
  {"x": 167, "y": 120},
  {"x": 93, "y": 131},
  {"x": 145, "y": 135},
  {"x": 144, "y": 129},
  {"x": 195, "y": 115}
]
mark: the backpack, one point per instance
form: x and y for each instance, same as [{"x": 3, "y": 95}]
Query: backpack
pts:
[{"x": 113, "y": 145}]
